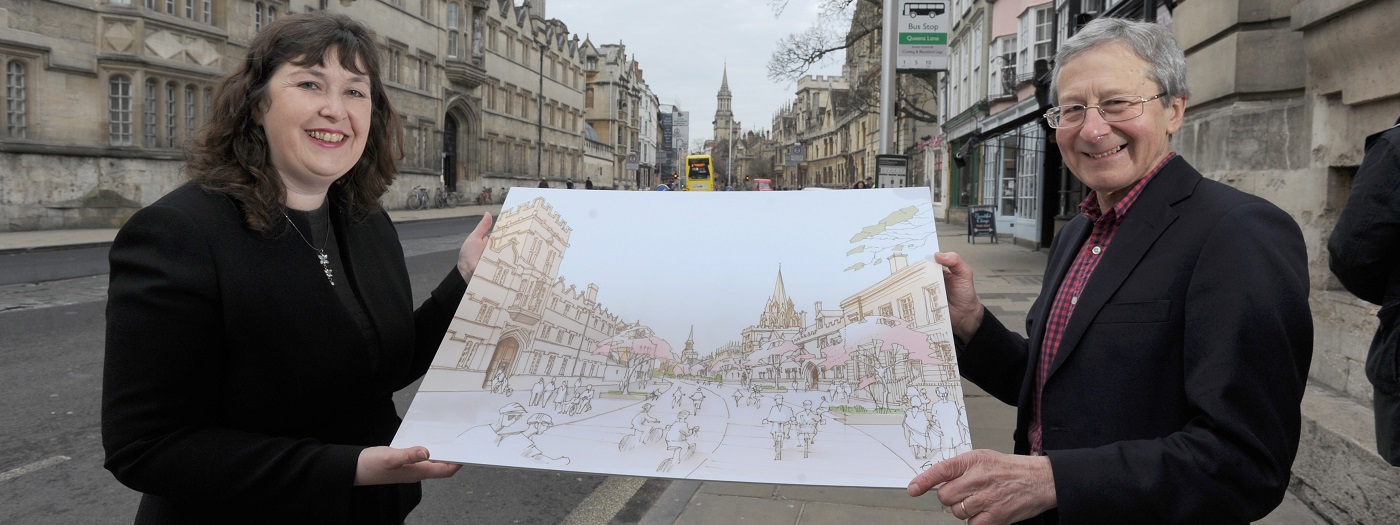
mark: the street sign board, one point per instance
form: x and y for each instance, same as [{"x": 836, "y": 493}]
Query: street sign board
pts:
[
  {"x": 922, "y": 36},
  {"x": 631, "y": 161},
  {"x": 794, "y": 155},
  {"x": 891, "y": 171}
]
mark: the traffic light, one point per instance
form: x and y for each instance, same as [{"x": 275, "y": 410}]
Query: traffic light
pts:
[{"x": 746, "y": 178}]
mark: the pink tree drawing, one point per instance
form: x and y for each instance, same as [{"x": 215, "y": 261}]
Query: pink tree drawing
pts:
[
  {"x": 876, "y": 340},
  {"x": 772, "y": 357},
  {"x": 635, "y": 349}
]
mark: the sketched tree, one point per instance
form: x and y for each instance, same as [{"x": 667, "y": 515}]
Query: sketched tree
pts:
[
  {"x": 634, "y": 349},
  {"x": 878, "y": 341},
  {"x": 772, "y": 357}
]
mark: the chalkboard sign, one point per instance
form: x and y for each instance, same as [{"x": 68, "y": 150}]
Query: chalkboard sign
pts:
[{"x": 981, "y": 220}]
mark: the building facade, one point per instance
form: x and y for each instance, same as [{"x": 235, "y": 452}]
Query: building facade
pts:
[{"x": 492, "y": 94}]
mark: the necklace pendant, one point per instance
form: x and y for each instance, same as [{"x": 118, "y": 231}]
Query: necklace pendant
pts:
[{"x": 325, "y": 265}]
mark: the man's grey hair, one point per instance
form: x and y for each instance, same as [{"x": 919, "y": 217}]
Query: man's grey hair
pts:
[{"x": 1151, "y": 42}]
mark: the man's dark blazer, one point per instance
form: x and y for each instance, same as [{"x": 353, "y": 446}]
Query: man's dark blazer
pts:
[
  {"x": 238, "y": 388},
  {"x": 1174, "y": 397}
]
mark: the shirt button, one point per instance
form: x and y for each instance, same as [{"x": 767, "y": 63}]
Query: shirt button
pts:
[
  {"x": 1097, "y": 250},
  {"x": 1074, "y": 300}
]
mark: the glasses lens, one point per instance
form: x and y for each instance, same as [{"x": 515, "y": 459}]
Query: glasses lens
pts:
[
  {"x": 1121, "y": 108},
  {"x": 1068, "y": 116}
]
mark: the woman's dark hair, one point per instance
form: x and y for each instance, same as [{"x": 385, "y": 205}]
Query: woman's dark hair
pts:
[{"x": 230, "y": 154}]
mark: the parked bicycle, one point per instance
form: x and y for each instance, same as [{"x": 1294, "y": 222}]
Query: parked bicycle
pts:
[
  {"x": 418, "y": 198},
  {"x": 455, "y": 198},
  {"x": 439, "y": 198},
  {"x": 485, "y": 196}
]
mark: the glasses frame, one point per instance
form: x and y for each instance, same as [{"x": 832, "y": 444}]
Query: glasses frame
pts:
[{"x": 1053, "y": 115}]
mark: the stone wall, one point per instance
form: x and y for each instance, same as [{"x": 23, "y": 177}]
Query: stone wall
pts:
[{"x": 54, "y": 191}]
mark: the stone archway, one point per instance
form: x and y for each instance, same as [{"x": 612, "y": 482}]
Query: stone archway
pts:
[
  {"x": 461, "y": 138},
  {"x": 502, "y": 359},
  {"x": 450, "y": 171}
]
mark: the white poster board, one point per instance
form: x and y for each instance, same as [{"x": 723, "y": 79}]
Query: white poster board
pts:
[{"x": 795, "y": 337}]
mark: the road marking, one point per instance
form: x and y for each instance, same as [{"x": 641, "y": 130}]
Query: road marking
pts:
[
  {"x": 604, "y": 503},
  {"x": 37, "y": 465}
]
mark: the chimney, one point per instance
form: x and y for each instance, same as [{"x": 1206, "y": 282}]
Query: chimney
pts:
[{"x": 898, "y": 262}]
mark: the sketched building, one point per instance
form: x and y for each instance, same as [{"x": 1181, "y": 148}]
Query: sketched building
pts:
[
  {"x": 911, "y": 293},
  {"x": 520, "y": 316}
]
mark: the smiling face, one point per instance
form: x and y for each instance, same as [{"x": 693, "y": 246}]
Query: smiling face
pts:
[
  {"x": 1109, "y": 157},
  {"x": 317, "y": 122}
]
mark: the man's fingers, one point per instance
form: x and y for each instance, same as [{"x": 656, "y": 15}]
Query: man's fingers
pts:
[{"x": 940, "y": 473}]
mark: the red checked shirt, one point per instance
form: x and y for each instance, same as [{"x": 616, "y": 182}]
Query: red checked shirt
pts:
[{"x": 1090, "y": 253}]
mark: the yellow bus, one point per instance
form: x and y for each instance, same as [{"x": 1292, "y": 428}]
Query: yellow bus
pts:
[{"x": 699, "y": 173}]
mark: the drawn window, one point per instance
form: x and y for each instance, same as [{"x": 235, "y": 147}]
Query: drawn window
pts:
[{"x": 906, "y": 308}]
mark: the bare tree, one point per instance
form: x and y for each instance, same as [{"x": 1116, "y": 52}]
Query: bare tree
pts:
[{"x": 798, "y": 52}]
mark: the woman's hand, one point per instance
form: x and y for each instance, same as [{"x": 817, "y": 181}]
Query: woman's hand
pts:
[
  {"x": 385, "y": 465},
  {"x": 472, "y": 248},
  {"x": 965, "y": 309}
]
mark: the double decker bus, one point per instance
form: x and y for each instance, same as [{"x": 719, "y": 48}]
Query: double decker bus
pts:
[{"x": 699, "y": 173}]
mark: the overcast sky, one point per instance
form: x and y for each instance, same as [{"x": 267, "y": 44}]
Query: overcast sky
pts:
[{"x": 683, "y": 45}]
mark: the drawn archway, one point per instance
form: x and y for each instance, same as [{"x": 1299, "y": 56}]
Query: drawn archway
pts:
[
  {"x": 813, "y": 377},
  {"x": 501, "y": 359}
]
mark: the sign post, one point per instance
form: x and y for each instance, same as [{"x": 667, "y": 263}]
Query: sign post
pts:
[
  {"x": 891, "y": 171},
  {"x": 922, "y": 36}
]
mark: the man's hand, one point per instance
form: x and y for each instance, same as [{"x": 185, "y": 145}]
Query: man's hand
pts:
[
  {"x": 965, "y": 309},
  {"x": 987, "y": 487},
  {"x": 385, "y": 465},
  {"x": 472, "y": 248}
]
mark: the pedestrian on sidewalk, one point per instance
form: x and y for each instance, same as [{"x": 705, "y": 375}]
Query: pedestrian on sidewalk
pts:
[
  {"x": 259, "y": 317},
  {"x": 1170, "y": 343},
  {"x": 1363, "y": 254},
  {"x": 543, "y": 183}
]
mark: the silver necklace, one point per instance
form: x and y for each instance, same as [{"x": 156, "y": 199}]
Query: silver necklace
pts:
[{"x": 320, "y": 252}]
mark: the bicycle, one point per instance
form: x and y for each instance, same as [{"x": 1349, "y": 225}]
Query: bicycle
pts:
[
  {"x": 455, "y": 198},
  {"x": 439, "y": 199},
  {"x": 485, "y": 196},
  {"x": 418, "y": 198}
]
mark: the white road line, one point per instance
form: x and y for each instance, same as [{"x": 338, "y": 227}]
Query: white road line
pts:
[
  {"x": 604, "y": 503},
  {"x": 37, "y": 465}
]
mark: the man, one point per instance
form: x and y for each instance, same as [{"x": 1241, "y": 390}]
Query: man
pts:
[
  {"x": 1363, "y": 255},
  {"x": 588, "y": 183},
  {"x": 569, "y": 184},
  {"x": 1170, "y": 343}
]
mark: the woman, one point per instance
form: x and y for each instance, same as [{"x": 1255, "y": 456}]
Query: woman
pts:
[{"x": 260, "y": 318}]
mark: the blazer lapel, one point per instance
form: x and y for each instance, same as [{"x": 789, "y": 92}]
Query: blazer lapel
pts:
[{"x": 1144, "y": 223}]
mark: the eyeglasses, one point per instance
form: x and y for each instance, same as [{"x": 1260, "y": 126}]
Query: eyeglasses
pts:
[{"x": 1116, "y": 109}]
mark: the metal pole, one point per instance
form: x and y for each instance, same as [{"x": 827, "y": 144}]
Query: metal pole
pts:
[{"x": 887, "y": 61}]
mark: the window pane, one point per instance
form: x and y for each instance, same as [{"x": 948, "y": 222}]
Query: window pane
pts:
[
  {"x": 119, "y": 110},
  {"x": 16, "y": 99},
  {"x": 189, "y": 110},
  {"x": 170, "y": 108},
  {"x": 149, "y": 114}
]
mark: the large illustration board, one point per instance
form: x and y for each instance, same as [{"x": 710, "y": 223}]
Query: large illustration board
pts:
[{"x": 796, "y": 337}]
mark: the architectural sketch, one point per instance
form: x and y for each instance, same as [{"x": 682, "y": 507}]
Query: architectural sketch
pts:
[{"x": 657, "y": 334}]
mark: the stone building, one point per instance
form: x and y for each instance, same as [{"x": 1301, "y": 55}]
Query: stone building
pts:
[{"x": 102, "y": 95}]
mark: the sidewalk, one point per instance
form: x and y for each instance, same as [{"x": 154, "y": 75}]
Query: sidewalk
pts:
[
  {"x": 1008, "y": 280},
  {"x": 12, "y": 242}
]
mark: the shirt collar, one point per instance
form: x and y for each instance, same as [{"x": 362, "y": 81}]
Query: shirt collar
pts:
[{"x": 1090, "y": 206}]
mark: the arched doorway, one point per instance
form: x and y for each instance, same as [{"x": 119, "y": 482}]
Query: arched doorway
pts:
[
  {"x": 813, "y": 377},
  {"x": 501, "y": 360},
  {"x": 449, "y": 154}
]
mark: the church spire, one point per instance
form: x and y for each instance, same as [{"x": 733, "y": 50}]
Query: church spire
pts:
[{"x": 780, "y": 312}]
